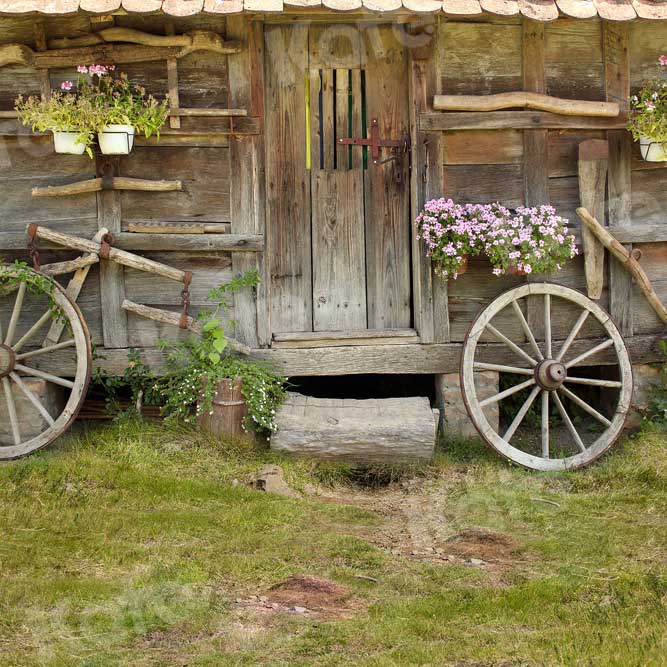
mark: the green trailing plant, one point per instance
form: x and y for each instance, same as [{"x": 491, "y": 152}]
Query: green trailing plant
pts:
[
  {"x": 137, "y": 385},
  {"x": 197, "y": 364},
  {"x": 656, "y": 410},
  {"x": 12, "y": 275}
]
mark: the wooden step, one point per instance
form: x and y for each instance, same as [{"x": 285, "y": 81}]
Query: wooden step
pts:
[
  {"x": 364, "y": 431},
  {"x": 303, "y": 339}
]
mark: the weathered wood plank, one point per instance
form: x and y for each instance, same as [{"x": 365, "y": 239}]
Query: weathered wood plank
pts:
[
  {"x": 617, "y": 81},
  {"x": 515, "y": 120},
  {"x": 346, "y": 338},
  {"x": 593, "y": 162},
  {"x": 388, "y": 246},
  {"x": 483, "y": 147},
  {"x": 339, "y": 281},
  {"x": 287, "y": 182}
]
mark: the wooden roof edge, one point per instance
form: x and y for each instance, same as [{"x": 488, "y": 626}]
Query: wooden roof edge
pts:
[{"x": 539, "y": 10}]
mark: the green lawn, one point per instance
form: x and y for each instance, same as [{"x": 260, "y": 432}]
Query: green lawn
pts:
[{"x": 131, "y": 545}]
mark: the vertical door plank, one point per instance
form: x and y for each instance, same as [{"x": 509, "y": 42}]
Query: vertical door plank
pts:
[
  {"x": 316, "y": 138},
  {"x": 357, "y": 125},
  {"x": 328, "y": 120},
  {"x": 288, "y": 182},
  {"x": 387, "y": 187},
  {"x": 617, "y": 81},
  {"x": 342, "y": 117},
  {"x": 339, "y": 281}
]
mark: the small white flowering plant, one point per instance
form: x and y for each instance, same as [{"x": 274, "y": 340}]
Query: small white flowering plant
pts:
[
  {"x": 648, "y": 109},
  {"x": 531, "y": 240},
  {"x": 196, "y": 364}
]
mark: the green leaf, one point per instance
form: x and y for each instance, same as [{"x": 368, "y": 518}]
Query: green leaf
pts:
[
  {"x": 210, "y": 325},
  {"x": 214, "y": 357},
  {"x": 220, "y": 344}
]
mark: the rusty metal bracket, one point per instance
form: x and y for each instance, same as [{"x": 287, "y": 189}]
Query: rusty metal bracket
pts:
[
  {"x": 185, "y": 295},
  {"x": 33, "y": 250},
  {"x": 105, "y": 246},
  {"x": 376, "y": 144}
]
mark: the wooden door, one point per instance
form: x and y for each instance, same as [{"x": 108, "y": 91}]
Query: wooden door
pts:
[{"x": 338, "y": 224}]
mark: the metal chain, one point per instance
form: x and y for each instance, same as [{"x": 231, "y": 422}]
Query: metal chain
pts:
[
  {"x": 185, "y": 297},
  {"x": 33, "y": 250}
]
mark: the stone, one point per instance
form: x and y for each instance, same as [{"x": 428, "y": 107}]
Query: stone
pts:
[
  {"x": 31, "y": 423},
  {"x": 271, "y": 479},
  {"x": 454, "y": 419},
  {"x": 363, "y": 431}
]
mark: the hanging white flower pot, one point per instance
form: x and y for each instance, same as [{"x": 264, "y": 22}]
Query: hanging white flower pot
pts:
[
  {"x": 66, "y": 142},
  {"x": 116, "y": 139},
  {"x": 652, "y": 151}
]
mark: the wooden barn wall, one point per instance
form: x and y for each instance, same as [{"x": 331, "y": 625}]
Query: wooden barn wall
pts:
[
  {"x": 579, "y": 59},
  {"x": 201, "y": 154}
]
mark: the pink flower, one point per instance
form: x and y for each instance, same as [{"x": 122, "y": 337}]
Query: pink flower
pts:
[
  {"x": 649, "y": 106},
  {"x": 82, "y": 69},
  {"x": 662, "y": 60},
  {"x": 66, "y": 85}
]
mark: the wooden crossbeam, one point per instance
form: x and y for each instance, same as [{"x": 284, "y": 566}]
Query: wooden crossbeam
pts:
[{"x": 98, "y": 185}]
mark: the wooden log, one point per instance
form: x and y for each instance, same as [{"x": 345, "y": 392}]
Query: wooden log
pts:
[
  {"x": 167, "y": 317},
  {"x": 391, "y": 429},
  {"x": 61, "y": 268},
  {"x": 115, "y": 255},
  {"x": 629, "y": 263},
  {"x": 247, "y": 243},
  {"x": 525, "y": 100},
  {"x": 226, "y": 416},
  {"x": 578, "y": 9},
  {"x": 97, "y": 185},
  {"x": 172, "y": 82},
  {"x": 515, "y": 120},
  {"x": 593, "y": 157}
]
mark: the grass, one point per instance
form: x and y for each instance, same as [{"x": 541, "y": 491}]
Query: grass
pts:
[{"x": 129, "y": 545}]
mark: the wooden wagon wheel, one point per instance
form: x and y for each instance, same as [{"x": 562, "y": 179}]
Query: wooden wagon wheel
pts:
[
  {"x": 22, "y": 360},
  {"x": 547, "y": 369}
]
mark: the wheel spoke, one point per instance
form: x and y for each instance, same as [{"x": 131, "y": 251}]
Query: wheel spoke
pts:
[
  {"x": 32, "y": 372},
  {"x": 11, "y": 409},
  {"x": 33, "y": 399},
  {"x": 598, "y": 348},
  {"x": 547, "y": 328},
  {"x": 521, "y": 414},
  {"x": 568, "y": 422},
  {"x": 614, "y": 384},
  {"x": 480, "y": 366},
  {"x": 16, "y": 313},
  {"x": 33, "y": 330},
  {"x": 573, "y": 334},
  {"x": 508, "y": 392},
  {"x": 584, "y": 406},
  {"x": 526, "y": 330},
  {"x": 46, "y": 350},
  {"x": 512, "y": 346},
  {"x": 545, "y": 424}
]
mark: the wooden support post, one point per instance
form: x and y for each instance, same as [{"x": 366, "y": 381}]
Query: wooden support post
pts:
[
  {"x": 430, "y": 299},
  {"x": 246, "y": 156},
  {"x": 535, "y": 146},
  {"x": 172, "y": 82},
  {"x": 112, "y": 275},
  {"x": 44, "y": 76},
  {"x": 593, "y": 159},
  {"x": 617, "y": 81}
]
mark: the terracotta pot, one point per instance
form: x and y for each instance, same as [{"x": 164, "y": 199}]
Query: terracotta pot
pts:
[
  {"x": 463, "y": 268},
  {"x": 515, "y": 271}
]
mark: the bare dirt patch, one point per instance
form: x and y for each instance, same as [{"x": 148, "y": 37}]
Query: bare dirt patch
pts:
[{"x": 313, "y": 597}]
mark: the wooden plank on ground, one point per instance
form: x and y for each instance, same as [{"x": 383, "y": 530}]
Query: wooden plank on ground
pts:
[
  {"x": 288, "y": 182},
  {"x": 339, "y": 256},
  {"x": 617, "y": 80},
  {"x": 387, "y": 186}
]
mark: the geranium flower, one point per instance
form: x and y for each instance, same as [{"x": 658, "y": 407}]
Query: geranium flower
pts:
[
  {"x": 662, "y": 60},
  {"x": 66, "y": 85},
  {"x": 82, "y": 69}
]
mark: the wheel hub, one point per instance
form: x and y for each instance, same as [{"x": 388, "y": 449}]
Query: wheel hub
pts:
[
  {"x": 550, "y": 374},
  {"x": 7, "y": 360}
]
